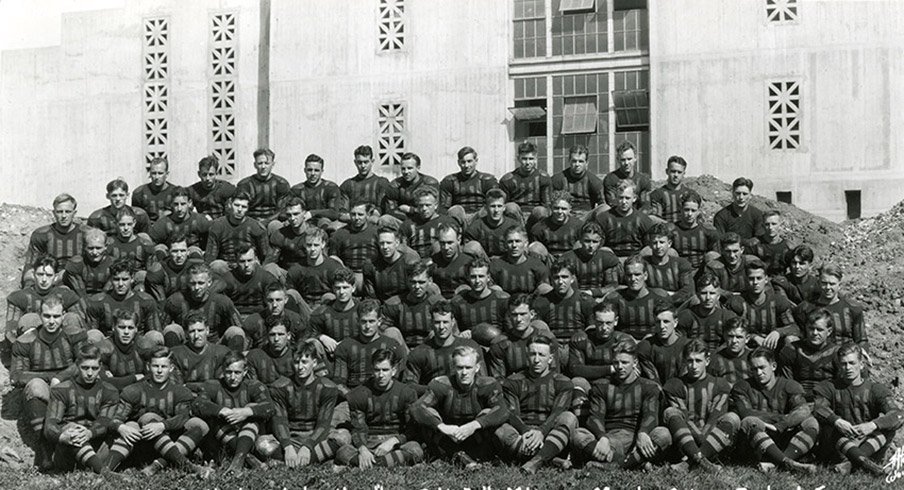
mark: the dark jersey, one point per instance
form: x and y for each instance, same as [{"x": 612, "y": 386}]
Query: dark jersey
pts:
[
  {"x": 411, "y": 316},
  {"x": 104, "y": 219},
  {"x": 659, "y": 361},
  {"x": 471, "y": 310},
  {"x": 171, "y": 401},
  {"x": 566, "y": 315},
  {"x": 45, "y": 357},
  {"x": 248, "y": 293},
  {"x": 536, "y": 401},
  {"x": 334, "y": 321},
  {"x": 635, "y": 313},
  {"x": 847, "y": 314},
  {"x": 631, "y": 406},
  {"x": 733, "y": 367},
  {"x": 71, "y": 402},
  {"x": 211, "y": 201},
  {"x": 376, "y": 412},
  {"x": 808, "y": 364},
  {"x": 214, "y": 396},
  {"x": 783, "y": 405},
  {"x": 732, "y": 279},
  {"x": 490, "y": 236},
  {"x": 255, "y": 326},
  {"x": 193, "y": 367},
  {"x": 164, "y": 279},
  {"x": 594, "y": 272},
  {"x": 528, "y": 190},
  {"x": 354, "y": 247},
  {"x": 51, "y": 241},
  {"x": 521, "y": 277},
  {"x": 467, "y": 192},
  {"x": 218, "y": 309},
  {"x": 702, "y": 401},
  {"x": 591, "y": 357},
  {"x": 322, "y": 200},
  {"x": 372, "y": 189},
  {"x": 225, "y": 235},
  {"x": 558, "y": 238},
  {"x": 586, "y": 189},
  {"x": 29, "y": 299},
  {"x": 156, "y": 202},
  {"x": 448, "y": 274},
  {"x": 287, "y": 247},
  {"x": 267, "y": 195},
  {"x": 139, "y": 250},
  {"x": 771, "y": 313},
  {"x": 747, "y": 223},
  {"x": 697, "y": 323},
  {"x": 665, "y": 202},
  {"x": 267, "y": 366},
  {"x": 866, "y": 402},
  {"x": 86, "y": 278},
  {"x": 102, "y": 306},
  {"x": 383, "y": 279},
  {"x": 124, "y": 363},
  {"x": 625, "y": 235},
  {"x": 797, "y": 289},
  {"x": 194, "y": 227},
  {"x": 420, "y": 234},
  {"x": 353, "y": 366},
  {"x": 303, "y": 406},
  {"x": 402, "y": 192},
  {"x": 675, "y": 276},
  {"x": 312, "y": 281},
  {"x": 642, "y": 190},
  {"x": 508, "y": 355},
  {"x": 428, "y": 361},
  {"x": 458, "y": 405},
  {"x": 772, "y": 254},
  {"x": 692, "y": 243}
]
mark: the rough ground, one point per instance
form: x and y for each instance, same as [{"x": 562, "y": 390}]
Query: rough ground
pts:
[{"x": 871, "y": 251}]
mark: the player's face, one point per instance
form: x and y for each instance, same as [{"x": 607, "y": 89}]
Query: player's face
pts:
[
  {"x": 665, "y": 325},
  {"x": 626, "y": 200},
  {"x": 408, "y": 169},
  {"x": 495, "y": 209},
  {"x": 276, "y": 302},
  {"x": 178, "y": 252},
  {"x": 605, "y": 322},
  {"x": 384, "y": 372},
  {"x": 122, "y": 283},
  {"x": 208, "y": 177},
  {"x": 539, "y": 356},
  {"x": 95, "y": 248},
  {"x": 627, "y": 160},
  {"x": 578, "y": 163},
  {"x": 364, "y": 164},
  {"x": 158, "y": 173},
  {"x": 313, "y": 247},
  {"x": 234, "y": 374},
  {"x": 562, "y": 281},
  {"x": 515, "y": 243},
  {"x": 625, "y": 364},
  {"x": 246, "y": 263},
  {"x": 44, "y": 278},
  {"x": 731, "y": 253},
  {"x": 278, "y": 338},
  {"x": 343, "y": 291},
  {"x": 198, "y": 285},
  {"x": 448, "y": 244},
  {"x": 851, "y": 367},
  {"x": 736, "y": 339},
  {"x": 696, "y": 364},
  {"x": 358, "y": 216},
  {"x": 426, "y": 206},
  {"x": 125, "y": 331},
  {"x": 708, "y": 296},
  {"x": 388, "y": 245},
  {"x": 443, "y": 326},
  {"x": 197, "y": 335},
  {"x": 466, "y": 368},
  {"x": 818, "y": 332},
  {"x": 763, "y": 370},
  {"x": 741, "y": 195},
  {"x": 263, "y": 165},
  {"x": 675, "y": 173},
  {"x": 160, "y": 369},
  {"x": 690, "y": 212},
  {"x": 51, "y": 318},
  {"x": 635, "y": 277},
  {"x": 89, "y": 371},
  {"x": 295, "y": 216},
  {"x": 561, "y": 210},
  {"x": 591, "y": 242},
  {"x": 528, "y": 161},
  {"x": 773, "y": 226},
  {"x": 829, "y": 285},
  {"x": 468, "y": 164},
  {"x": 369, "y": 325},
  {"x": 417, "y": 285},
  {"x": 64, "y": 213},
  {"x": 239, "y": 207},
  {"x": 126, "y": 226},
  {"x": 117, "y": 198},
  {"x": 799, "y": 267},
  {"x": 313, "y": 171},
  {"x": 757, "y": 280},
  {"x": 478, "y": 278},
  {"x": 181, "y": 205},
  {"x": 521, "y": 317},
  {"x": 660, "y": 246}
]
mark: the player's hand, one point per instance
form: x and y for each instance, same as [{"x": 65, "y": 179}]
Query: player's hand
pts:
[
  {"x": 603, "y": 450},
  {"x": 645, "y": 445},
  {"x": 365, "y": 458},
  {"x": 770, "y": 427},
  {"x": 531, "y": 441},
  {"x": 130, "y": 433},
  {"x": 865, "y": 429},
  {"x": 448, "y": 430},
  {"x": 292, "y": 458},
  {"x": 846, "y": 428},
  {"x": 237, "y": 415},
  {"x": 152, "y": 430},
  {"x": 304, "y": 456},
  {"x": 139, "y": 377},
  {"x": 465, "y": 335},
  {"x": 108, "y": 374},
  {"x": 80, "y": 435},
  {"x": 404, "y": 208},
  {"x": 771, "y": 340},
  {"x": 329, "y": 344},
  {"x": 386, "y": 446},
  {"x": 466, "y": 431},
  {"x": 54, "y": 382}
]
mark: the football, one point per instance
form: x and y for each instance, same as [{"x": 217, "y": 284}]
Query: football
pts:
[{"x": 484, "y": 334}]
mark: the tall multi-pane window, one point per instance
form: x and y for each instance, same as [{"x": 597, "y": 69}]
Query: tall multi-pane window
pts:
[
  {"x": 631, "y": 25},
  {"x": 581, "y": 117},
  {"x": 529, "y": 113},
  {"x": 632, "y": 112},
  {"x": 529, "y": 28},
  {"x": 579, "y": 27}
]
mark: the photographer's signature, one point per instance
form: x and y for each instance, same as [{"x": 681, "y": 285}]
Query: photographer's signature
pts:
[{"x": 895, "y": 466}]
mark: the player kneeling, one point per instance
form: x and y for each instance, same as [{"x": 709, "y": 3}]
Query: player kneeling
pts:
[
  {"x": 860, "y": 414},
  {"x": 624, "y": 414},
  {"x": 237, "y": 406},
  {"x": 304, "y": 408},
  {"x": 540, "y": 424},
  {"x": 696, "y": 410},
  {"x": 381, "y": 426}
]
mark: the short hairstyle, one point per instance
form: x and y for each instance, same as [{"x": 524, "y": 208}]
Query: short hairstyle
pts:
[
  {"x": 477, "y": 263},
  {"x": 312, "y": 233},
  {"x": 198, "y": 269},
  {"x": 754, "y": 264},
  {"x": 306, "y": 349},
  {"x": 231, "y": 357},
  {"x": 273, "y": 287},
  {"x": 383, "y": 354},
  {"x": 243, "y": 247},
  {"x": 293, "y": 201},
  {"x": 560, "y": 195},
  {"x": 209, "y": 162},
  {"x": 91, "y": 233},
  {"x": 624, "y": 146},
  {"x": 516, "y": 229},
  {"x": 181, "y": 192},
  {"x": 366, "y": 306},
  {"x": 762, "y": 352},
  {"x": 465, "y": 351},
  {"x": 177, "y": 237},
  {"x": 122, "y": 314},
  {"x": 417, "y": 268},
  {"x": 465, "y": 151},
  {"x": 124, "y": 264},
  {"x": 412, "y": 156},
  {"x": 364, "y": 151},
  {"x": 519, "y": 299},
  {"x": 578, "y": 150},
  {"x": 662, "y": 306},
  {"x": 441, "y": 307},
  {"x": 160, "y": 353},
  {"x": 274, "y": 321},
  {"x": 560, "y": 265},
  {"x": 676, "y": 159},
  {"x": 538, "y": 338},
  {"x": 592, "y": 227},
  {"x": 660, "y": 230},
  {"x": 264, "y": 151},
  {"x": 742, "y": 182},
  {"x": 64, "y": 198},
  {"x": 624, "y": 185},
  {"x": 735, "y": 323},
  {"x": 707, "y": 279},
  {"x": 527, "y": 147},
  {"x": 360, "y": 201},
  {"x": 391, "y": 230},
  {"x": 447, "y": 227},
  {"x": 803, "y": 252},
  {"x": 117, "y": 184},
  {"x": 47, "y": 261},
  {"x": 52, "y": 300},
  {"x": 87, "y": 352},
  {"x": 635, "y": 260},
  {"x": 314, "y": 158},
  {"x": 849, "y": 348},
  {"x": 690, "y": 196},
  {"x": 195, "y": 317},
  {"x": 605, "y": 307},
  {"x": 821, "y": 314},
  {"x": 241, "y": 196},
  {"x": 159, "y": 161},
  {"x": 494, "y": 194},
  {"x": 426, "y": 191},
  {"x": 126, "y": 211},
  {"x": 770, "y": 213},
  {"x": 695, "y": 346},
  {"x": 730, "y": 238},
  {"x": 831, "y": 270},
  {"x": 342, "y": 275},
  {"x": 626, "y": 346}
]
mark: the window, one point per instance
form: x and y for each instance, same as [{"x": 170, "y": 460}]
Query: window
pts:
[
  {"x": 631, "y": 30},
  {"x": 391, "y": 125},
  {"x": 221, "y": 91},
  {"x": 573, "y": 6},
  {"x": 781, "y": 11},
  {"x": 529, "y": 30},
  {"x": 783, "y": 196},
  {"x": 852, "y": 199},
  {"x": 783, "y": 127},
  {"x": 391, "y": 34},
  {"x": 529, "y": 113},
  {"x": 156, "y": 88},
  {"x": 579, "y": 31},
  {"x": 579, "y": 115},
  {"x": 632, "y": 110}
]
